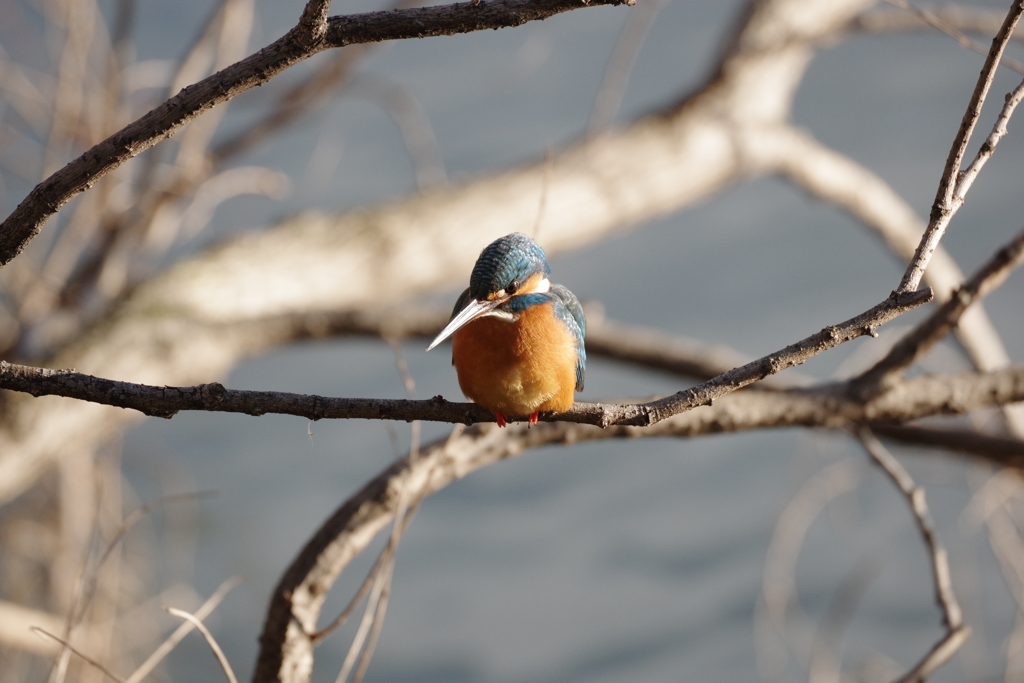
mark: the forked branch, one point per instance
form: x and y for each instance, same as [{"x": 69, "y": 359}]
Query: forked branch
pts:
[{"x": 298, "y": 44}]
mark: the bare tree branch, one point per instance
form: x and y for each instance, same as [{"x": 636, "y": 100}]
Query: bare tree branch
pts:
[
  {"x": 946, "y": 198},
  {"x": 1002, "y": 451},
  {"x": 290, "y": 630},
  {"x": 938, "y": 325},
  {"x": 313, "y": 22},
  {"x": 49, "y": 196},
  {"x": 838, "y": 179},
  {"x": 952, "y": 616},
  {"x": 829, "y": 406},
  {"x": 166, "y": 401},
  {"x": 170, "y": 330}
]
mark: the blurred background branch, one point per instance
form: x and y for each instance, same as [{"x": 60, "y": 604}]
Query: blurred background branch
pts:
[{"x": 133, "y": 282}]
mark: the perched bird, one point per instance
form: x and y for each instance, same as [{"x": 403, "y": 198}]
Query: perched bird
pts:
[{"x": 517, "y": 339}]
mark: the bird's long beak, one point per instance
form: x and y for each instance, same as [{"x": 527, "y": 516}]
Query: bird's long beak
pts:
[{"x": 473, "y": 310}]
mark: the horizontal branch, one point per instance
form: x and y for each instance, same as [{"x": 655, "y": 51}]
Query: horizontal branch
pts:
[
  {"x": 298, "y": 44},
  {"x": 1002, "y": 450},
  {"x": 166, "y": 401},
  {"x": 831, "y": 406}
]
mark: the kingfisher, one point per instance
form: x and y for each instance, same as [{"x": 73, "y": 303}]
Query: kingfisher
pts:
[{"x": 517, "y": 339}]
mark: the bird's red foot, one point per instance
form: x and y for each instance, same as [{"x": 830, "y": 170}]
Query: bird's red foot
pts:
[
  {"x": 534, "y": 417},
  {"x": 500, "y": 418}
]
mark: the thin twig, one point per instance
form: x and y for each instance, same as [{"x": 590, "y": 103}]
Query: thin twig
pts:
[
  {"x": 943, "y": 320},
  {"x": 369, "y": 617},
  {"x": 959, "y": 17},
  {"x": 952, "y": 615},
  {"x": 87, "y": 587},
  {"x": 778, "y": 611},
  {"x": 937, "y": 20},
  {"x": 382, "y": 558},
  {"x": 201, "y": 627},
  {"x": 417, "y": 134},
  {"x": 183, "y": 630},
  {"x": 944, "y": 205},
  {"x": 620, "y": 65},
  {"x": 378, "y": 622},
  {"x": 988, "y": 147},
  {"x": 86, "y": 658}
]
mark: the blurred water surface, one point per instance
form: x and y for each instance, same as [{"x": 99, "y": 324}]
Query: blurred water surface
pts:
[{"x": 609, "y": 561}]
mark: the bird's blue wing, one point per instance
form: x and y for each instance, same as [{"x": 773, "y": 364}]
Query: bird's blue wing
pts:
[{"x": 568, "y": 309}]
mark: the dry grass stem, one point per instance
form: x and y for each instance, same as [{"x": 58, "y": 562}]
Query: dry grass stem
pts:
[
  {"x": 210, "y": 640},
  {"x": 81, "y": 655},
  {"x": 166, "y": 647}
]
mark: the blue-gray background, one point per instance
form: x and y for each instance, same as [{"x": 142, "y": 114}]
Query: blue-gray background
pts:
[{"x": 612, "y": 561}]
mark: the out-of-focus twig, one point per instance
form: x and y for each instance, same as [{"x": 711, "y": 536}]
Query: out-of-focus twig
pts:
[
  {"x": 778, "y": 615},
  {"x": 183, "y": 630},
  {"x": 84, "y": 657},
  {"x": 210, "y": 640},
  {"x": 952, "y": 616},
  {"x": 948, "y": 25},
  {"x": 620, "y": 65},
  {"x": 413, "y": 124}
]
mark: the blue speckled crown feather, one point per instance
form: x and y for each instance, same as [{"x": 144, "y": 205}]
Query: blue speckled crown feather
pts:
[{"x": 512, "y": 257}]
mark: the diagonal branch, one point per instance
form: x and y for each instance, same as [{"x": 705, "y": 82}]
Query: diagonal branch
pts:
[
  {"x": 939, "y": 324},
  {"x": 945, "y": 204},
  {"x": 50, "y": 195},
  {"x": 952, "y": 616}
]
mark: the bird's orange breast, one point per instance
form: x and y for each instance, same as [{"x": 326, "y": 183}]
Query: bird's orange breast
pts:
[{"x": 517, "y": 368}]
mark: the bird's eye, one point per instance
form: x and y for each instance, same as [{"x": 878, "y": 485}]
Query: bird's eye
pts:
[{"x": 512, "y": 287}]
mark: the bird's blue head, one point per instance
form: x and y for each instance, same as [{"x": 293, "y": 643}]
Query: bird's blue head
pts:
[
  {"x": 505, "y": 265},
  {"x": 510, "y": 274}
]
